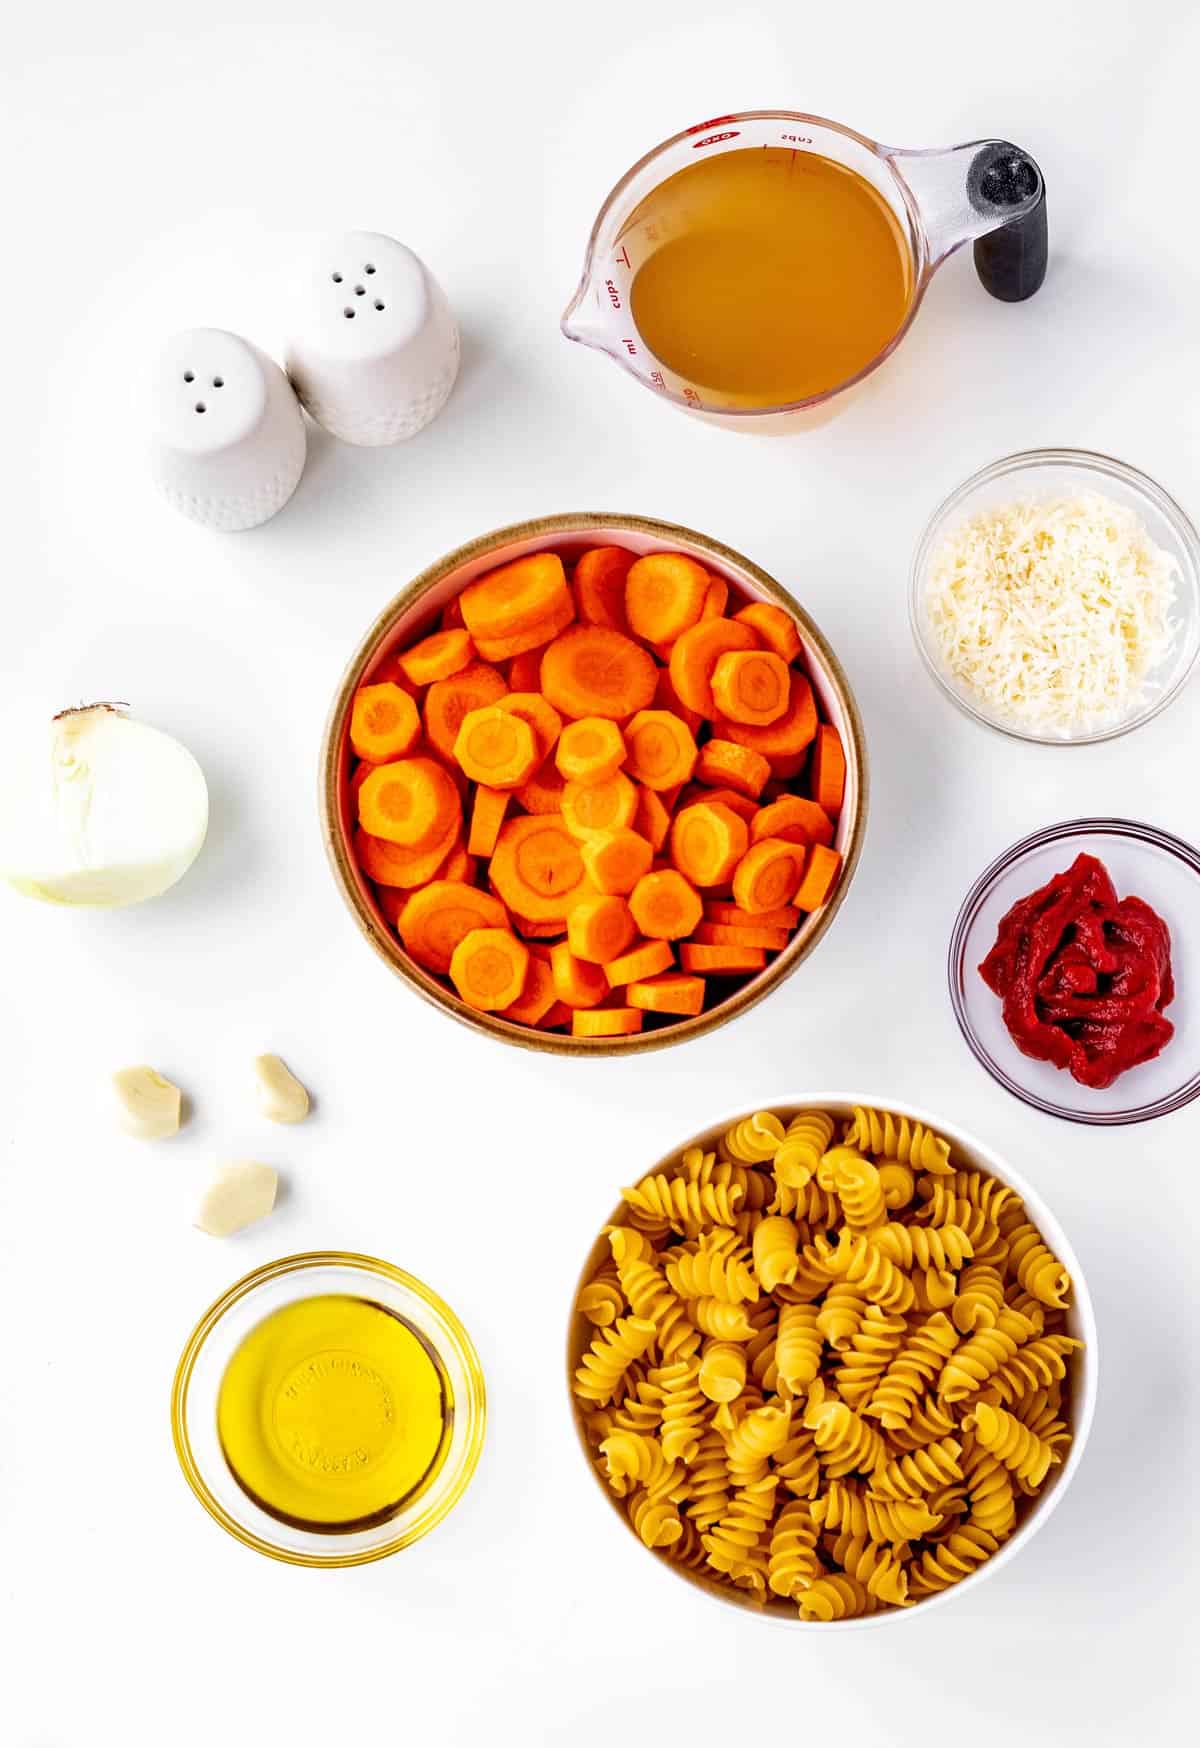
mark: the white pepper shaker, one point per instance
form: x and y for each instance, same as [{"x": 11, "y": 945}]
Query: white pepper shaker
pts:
[
  {"x": 228, "y": 435},
  {"x": 374, "y": 348}
]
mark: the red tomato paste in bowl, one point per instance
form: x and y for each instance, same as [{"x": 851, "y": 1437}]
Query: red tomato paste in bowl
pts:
[{"x": 1084, "y": 976}]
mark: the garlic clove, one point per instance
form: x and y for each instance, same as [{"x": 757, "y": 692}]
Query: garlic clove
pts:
[
  {"x": 281, "y": 1097},
  {"x": 148, "y": 1105},
  {"x": 238, "y": 1195}
]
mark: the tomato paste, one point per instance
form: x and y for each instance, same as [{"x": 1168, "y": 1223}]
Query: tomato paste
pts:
[{"x": 1084, "y": 977}]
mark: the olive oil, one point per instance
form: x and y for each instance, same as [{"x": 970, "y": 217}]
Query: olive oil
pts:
[
  {"x": 333, "y": 1413},
  {"x": 767, "y": 276}
]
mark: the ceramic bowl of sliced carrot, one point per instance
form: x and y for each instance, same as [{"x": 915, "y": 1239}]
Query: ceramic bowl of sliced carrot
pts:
[{"x": 594, "y": 784}]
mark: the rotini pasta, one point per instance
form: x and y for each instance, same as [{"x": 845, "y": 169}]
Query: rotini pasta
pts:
[{"x": 825, "y": 1362}]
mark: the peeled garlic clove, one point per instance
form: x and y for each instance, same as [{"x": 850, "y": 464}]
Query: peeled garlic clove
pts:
[
  {"x": 237, "y": 1196},
  {"x": 281, "y": 1098},
  {"x": 110, "y": 812},
  {"x": 148, "y": 1104}
]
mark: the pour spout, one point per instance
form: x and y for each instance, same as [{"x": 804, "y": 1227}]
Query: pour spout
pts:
[
  {"x": 584, "y": 321},
  {"x": 989, "y": 193}
]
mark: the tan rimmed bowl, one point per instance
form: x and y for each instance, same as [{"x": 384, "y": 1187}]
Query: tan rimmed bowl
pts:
[
  {"x": 415, "y": 610},
  {"x": 1082, "y": 1376}
]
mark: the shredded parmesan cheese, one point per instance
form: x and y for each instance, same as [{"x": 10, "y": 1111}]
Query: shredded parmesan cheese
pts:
[{"x": 1053, "y": 612}]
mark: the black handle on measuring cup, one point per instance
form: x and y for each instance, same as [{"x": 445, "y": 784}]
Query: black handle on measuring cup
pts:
[{"x": 1011, "y": 260}]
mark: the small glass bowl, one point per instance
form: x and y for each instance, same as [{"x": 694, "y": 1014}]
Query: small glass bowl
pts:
[
  {"x": 217, "y": 1336},
  {"x": 1039, "y": 473},
  {"x": 1142, "y": 861}
]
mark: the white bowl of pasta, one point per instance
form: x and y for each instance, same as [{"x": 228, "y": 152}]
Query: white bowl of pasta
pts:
[{"x": 831, "y": 1361}]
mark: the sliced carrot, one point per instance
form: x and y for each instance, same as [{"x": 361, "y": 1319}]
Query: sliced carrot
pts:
[
  {"x": 525, "y": 672},
  {"x": 776, "y": 629},
  {"x": 741, "y": 935},
  {"x": 768, "y": 875},
  {"x": 384, "y": 723},
  {"x": 647, "y": 959},
  {"x": 721, "y": 961},
  {"x": 605, "y": 1022},
  {"x": 448, "y": 701},
  {"x": 590, "y": 749},
  {"x": 617, "y": 860},
  {"x": 559, "y": 1015},
  {"x": 488, "y": 968},
  {"x": 665, "y": 906},
  {"x": 392, "y": 865},
  {"x": 795, "y": 818},
  {"x": 537, "y": 997},
  {"x": 497, "y": 748},
  {"x": 599, "y": 807},
  {"x": 577, "y": 982},
  {"x": 600, "y": 586},
  {"x": 751, "y": 686},
  {"x": 591, "y": 671},
  {"x": 452, "y": 614},
  {"x": 541, "y": 716},
  {"x": 600, "y": 928},
  {"x": 537, "y": 868},
  {"x": 785, "y": 768},
  {"x": 829, "y": 769},
  {"x": 785, "y": 917},
  {"x": 717, "y": 598},
  {"x": 823, "y": 867},
  {"x": 667, "y": 698},
  {"x": 438, "y": 657},
  {"x": 543, "y": 792},
  {"x": 662, "y": 749},
  {"x": 652, "y": 818},
  {"x": 664, "y": 595},
  {"x": 410, "y": 802},
  {"x": 459, "y": 865},
  {"x": 507, "y": 601},
  {"x": 724, "y": 763},
  {"x": 487, "y": 816},
  {"x": 672, "y": 993},
  {"x": 391, "y": 901},
  {"x": 532, "y": 637},
  {"x": 742, "y": 805},
  {"x": 696, "y": 654},
  {"x": 707, "y": 843},
  {"x": 546, "y": 931},
  {"x": 439, "y": 916},
  {"x": 359, "y": 776},
  {"x": 788, "y": 735}
]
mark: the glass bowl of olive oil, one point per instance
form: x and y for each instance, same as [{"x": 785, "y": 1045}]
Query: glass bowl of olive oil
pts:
[{"x": 328, "y": 1409}]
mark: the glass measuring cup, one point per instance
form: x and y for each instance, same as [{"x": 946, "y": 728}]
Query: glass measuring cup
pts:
[{"x": 988, "y": 192}]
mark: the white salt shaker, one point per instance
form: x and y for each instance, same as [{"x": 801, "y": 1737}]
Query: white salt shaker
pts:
[
  {"x": 228, "y": 435},
  {"x": 374, "y": 349}
]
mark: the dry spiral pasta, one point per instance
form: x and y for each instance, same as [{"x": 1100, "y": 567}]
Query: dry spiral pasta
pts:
[{"x": 825, "y": 1363}]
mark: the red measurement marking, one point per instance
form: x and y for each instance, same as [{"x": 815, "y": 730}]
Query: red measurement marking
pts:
[
  {"x": 614, "y": 296},
  {"x": 623, "y": 257},
  {"x": 714, "y": 139},
  {"x": 691, "y": 397},
  {"x": 799, "y": 139},
  {"x": 630, "y": 348},
  {"x": 656, "y": 377}
]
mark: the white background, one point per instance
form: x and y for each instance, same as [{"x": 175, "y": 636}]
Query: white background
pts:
[{"x": 163, "y": 167}]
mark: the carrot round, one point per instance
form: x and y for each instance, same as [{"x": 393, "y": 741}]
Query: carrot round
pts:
[
  {"x": 539, "y": 713},
  {"x": 647, "y": 959},
  {"x": 741, "y": 935},
  {"x": 742, "y": 805},
  {"x": 600, "y": 928},
  {"x": 716, "y": 598},
  {"x": 665, "y": 906},
  {"x": 439, "y": 916},
  {"x": 384, "y": 723},
  {"x": 591, "y": 671},
  {"x": 358, "y": 777},
  {"x": 795, "y": 818},
  {"x": 459, "y": 865},
  {"x": 497, "y": 748},
  {"x": 828, "y": 769},
  {"x": 539, "y": 932},
  {"x": 487, "y": 816},
  {"x": 488, "y": 968},
  {"x": 664, "y": 595},
  {"x": 558, "y": 1015},
  {"x": 662, "y": 749},
  {"x": 532, "y": 637},
  {"x": 768, "y": 875},
  {"x": 525, "y": 671},
  {"x": 751, "y": 686},
  {"x": 536, "y": 998},
  {"x": 652, "y": 818},
  {"x": 776, "y": 629},
  {"x": 438, "y": 657},
  {"x": 707, "y": 843},
  {"x": 507, "y": 601},
  {"x": 600, "y": 586},
  {"x": 605, "y": 1022},
  {"x": 784, "y": 738},
  {"x": 696, "y": 654},
  {"x": 723, "y": 763},
  {"x": 599, "y": 807},
  {"x": 590, "y": 749},
  {"x": 674, "y": 992},
  {"x": 616, "y": 860},
  {"x": 721, "y": 961},
  {"x": 537, "y": 868},
  {"x": 448, "y": 701},
  {"x": 785, "y": 917},
  {"x": 824, "y": 865},
  {"x": 451, "y": 614},
  {"x": 577, "y": 982},
  {"x": 543, "y": 792},
  {"x": 411, "y": 802},
  {"x": 392, "y": 865},
  {"x": 667, "y": 698}
]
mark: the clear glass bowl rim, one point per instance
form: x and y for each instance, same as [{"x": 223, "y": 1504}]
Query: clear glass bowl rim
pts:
[{"x": 1090, "y": 461}]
